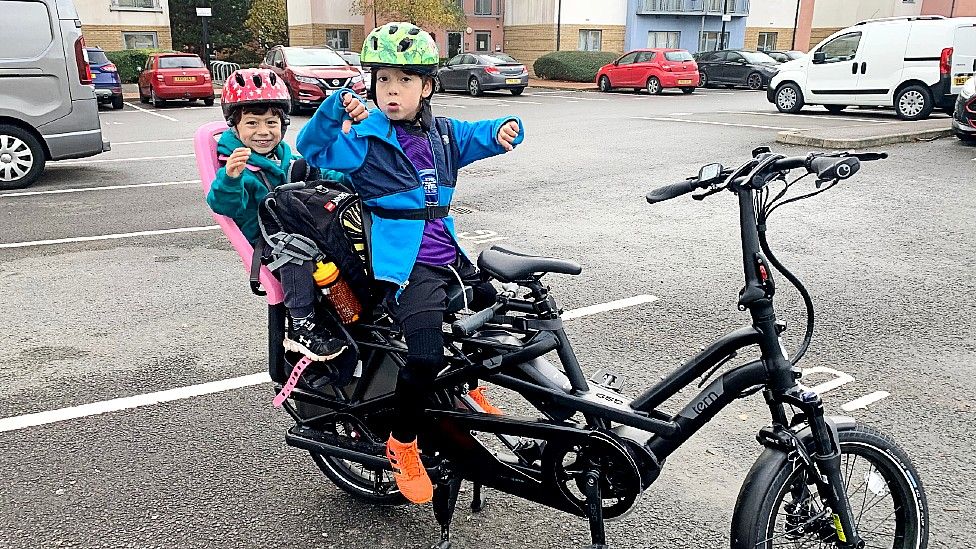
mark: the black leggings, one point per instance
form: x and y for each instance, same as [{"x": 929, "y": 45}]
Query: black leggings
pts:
[{"x": 420, "y": 313}]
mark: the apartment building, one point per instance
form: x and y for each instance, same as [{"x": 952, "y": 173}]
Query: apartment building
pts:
[
  {"x": 694, "y": 25},
  {"x": 331, "y": 22},
  {"x": 536, "y": 27},
  {"x": 125, "y": 24},
  {"x": 778, "y": 25}
]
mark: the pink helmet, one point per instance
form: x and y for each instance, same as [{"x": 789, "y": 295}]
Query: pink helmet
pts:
[{"x": 254, "y": 86}]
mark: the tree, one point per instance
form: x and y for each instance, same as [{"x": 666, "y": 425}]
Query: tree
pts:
[
  {"x": 428, "y": 14},
  {"x": 268, "y": 23},
  {"x": 226, "y": 28}
]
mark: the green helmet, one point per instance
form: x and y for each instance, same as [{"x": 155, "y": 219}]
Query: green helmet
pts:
[{"x": 400, "y": 45}]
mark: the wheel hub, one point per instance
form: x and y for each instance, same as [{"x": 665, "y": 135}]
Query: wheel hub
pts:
[{"x": 6, "y": 158}]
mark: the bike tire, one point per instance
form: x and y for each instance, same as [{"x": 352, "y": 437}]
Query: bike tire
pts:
[{"x": 775, "y": 479}]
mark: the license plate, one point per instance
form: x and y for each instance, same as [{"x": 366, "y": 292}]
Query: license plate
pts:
[
  {"x": 960, "y": 80},
  {"x": 513, "y": 80},
  {"x": 328, "y": 92},
  {"x": 684, "y": 82},
  {"x": 184, "y": 79}
]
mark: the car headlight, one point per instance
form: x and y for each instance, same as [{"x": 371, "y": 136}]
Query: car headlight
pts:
[
  {"x": 356, "y": 79},
  {"x": 306, "y": 79},
  {"x": 969, "y": 89}
]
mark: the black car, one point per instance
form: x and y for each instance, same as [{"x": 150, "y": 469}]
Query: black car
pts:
[
  {"x": 478, "y": 72},
  {"x": 751, "y": 69}
]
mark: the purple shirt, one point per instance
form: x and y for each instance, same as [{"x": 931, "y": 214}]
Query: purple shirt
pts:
[{"x": 437, "y": 247}]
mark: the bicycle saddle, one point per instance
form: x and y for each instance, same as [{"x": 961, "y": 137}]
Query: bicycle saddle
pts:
[{"x": 509, "y": 266}]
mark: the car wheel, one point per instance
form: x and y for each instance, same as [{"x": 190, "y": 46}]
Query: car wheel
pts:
[
  {"x": 755, "y": 81},
  {"x": 835, "y": 109},
  {"x": 438, "y": 87},
  {"x": 688, "y": 90},
  {"x": 654, "y": 86},
  {"x": 209, "y": 101},
  {"x": 605, "y": 84},
  {"x": 117, "y": 102},
  {"x": 789, "y": 98},
  {"x": 155, "y": 100},
  {"x": 914, "y": 103},
  {"x": 474, "y": 87},
  {"x": 21, "y": 157},
  {"x": 517, "y": 91},
  {"x": 969, "y": 138},
  {"x": 703, "y": 80}
]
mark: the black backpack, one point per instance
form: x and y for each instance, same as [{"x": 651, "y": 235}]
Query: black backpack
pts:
[{"x": 317, "y": 221}]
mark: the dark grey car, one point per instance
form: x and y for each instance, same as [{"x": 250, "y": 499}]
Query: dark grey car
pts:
[
  {"x": 751, "y": 69},
  {"x": 478, "y": 72}
]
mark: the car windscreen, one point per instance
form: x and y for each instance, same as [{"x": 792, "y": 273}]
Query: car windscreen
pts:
[
  {"x": 756, "y": 57},
  {"x": 351, "y": 58},
  {"x": 498, "y": 59},
  {"x": 97, "y": 57},
  {"x": 678, "y": 56},
  {"x": 180, "y": 62},
  {"x": 313, "y": 58}
]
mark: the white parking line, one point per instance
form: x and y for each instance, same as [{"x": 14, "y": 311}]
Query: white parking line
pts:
[
  {"x": 108, "y": 188},
  {"x": 711, "y": 123},
  {"x": 116, "y": 143},
  {"x": 24, "y": 421},
  {"x": 147, "y": 111},
  {"x": 32, "y": 243},
  {"x": 825, "y": 116},
  {"x": 578, "y": 98},
  {"x": 865, "y": 401},
  {"x": 137, "y": 159}
]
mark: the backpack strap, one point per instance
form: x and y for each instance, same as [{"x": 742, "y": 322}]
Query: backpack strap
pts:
[{"x": 429, "y": 213}]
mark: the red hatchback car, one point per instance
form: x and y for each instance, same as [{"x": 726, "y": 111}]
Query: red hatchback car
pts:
[
  {"x": 652, "y": 69},
  {"x": 175, "y": 76},
  {"x": 312, "y": 74}
]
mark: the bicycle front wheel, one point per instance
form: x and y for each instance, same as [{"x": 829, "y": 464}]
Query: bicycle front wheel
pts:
[{"x": 781, "y": 508}]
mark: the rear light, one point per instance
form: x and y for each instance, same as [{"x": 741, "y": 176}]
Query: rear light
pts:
[
  {"x": 160, "y": 77},
  {"x": 81, "y": 59},
  {"x": 945, "y": 62},
  {"x": 666, "y": 67},
  {"x": 110, "y": 68},
  {"x": 492, "y": 70}
]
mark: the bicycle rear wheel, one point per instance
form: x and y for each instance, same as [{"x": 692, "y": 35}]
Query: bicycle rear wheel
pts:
[{"x": 780, "y": 507}]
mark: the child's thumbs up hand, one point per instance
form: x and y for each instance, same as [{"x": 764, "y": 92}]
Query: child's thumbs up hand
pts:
[
  {"x": 507, "y": 134},
  {"x": 355, "y": 111}
]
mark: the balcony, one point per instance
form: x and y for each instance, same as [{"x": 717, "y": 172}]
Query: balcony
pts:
[
  {"x": 736, "y": 8},
  {"x": 135, "y": 5}
]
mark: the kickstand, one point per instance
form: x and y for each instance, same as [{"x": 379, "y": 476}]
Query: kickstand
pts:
[
  {"x": 479, "y": 499},
  {"x": 445, "y": 501},
  {"x": 594, "y": 508}
]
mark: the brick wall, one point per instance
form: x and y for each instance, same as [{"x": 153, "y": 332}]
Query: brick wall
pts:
[
  {"x": 314, "y": 35},
  {"x": 784, "y": 38},
  {"x": 530, "y": 42},
  {"x": 109, "y": 37},
  {"x": 817, "y": 34}
]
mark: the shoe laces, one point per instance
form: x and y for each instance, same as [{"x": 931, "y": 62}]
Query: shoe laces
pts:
[{"x": 408, "y": 462}]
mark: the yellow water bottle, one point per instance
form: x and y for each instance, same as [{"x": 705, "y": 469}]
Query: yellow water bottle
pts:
[{"x": 337, "y": 291}]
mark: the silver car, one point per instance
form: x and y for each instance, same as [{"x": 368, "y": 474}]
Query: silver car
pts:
[
  {"x": 479, "y": 72},
  {"x": 48, "y": 109}
]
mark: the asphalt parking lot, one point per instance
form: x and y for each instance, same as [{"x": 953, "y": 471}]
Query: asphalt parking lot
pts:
[{"x": 117, "y": 284}]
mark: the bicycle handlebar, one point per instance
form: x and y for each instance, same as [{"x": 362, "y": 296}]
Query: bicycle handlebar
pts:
[
  {"x": 471, "y": 324},
  {"x": 673, "y": 190}
]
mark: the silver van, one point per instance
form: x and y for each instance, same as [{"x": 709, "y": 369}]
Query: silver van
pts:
[{"x": 48, "y": 109}]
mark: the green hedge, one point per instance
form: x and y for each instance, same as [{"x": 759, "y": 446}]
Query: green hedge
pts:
[
  {"x": 576, "y": 66},
  {"x": 129, "y": 62}
]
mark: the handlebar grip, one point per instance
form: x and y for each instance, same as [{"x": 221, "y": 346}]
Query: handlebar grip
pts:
[
  {"x": 467, "y": 326},
  {"x": 829, "y": 168},
  {"x": 673, "y": 190}
]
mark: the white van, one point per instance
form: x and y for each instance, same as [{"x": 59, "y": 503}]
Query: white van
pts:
[{"x": 915, "y": 64}]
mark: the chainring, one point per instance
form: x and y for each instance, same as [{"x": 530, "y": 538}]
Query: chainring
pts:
[{"x": 564, "y": 466}]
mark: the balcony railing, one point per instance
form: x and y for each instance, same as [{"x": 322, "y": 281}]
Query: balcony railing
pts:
[
  {"x": 135, "y": 4},
  {"x": 693, "y": 7}
]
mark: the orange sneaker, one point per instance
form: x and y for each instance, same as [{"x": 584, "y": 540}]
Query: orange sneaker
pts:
[
  {"x": 478, "y": 395},
  {"x": 408, "y": 470}
]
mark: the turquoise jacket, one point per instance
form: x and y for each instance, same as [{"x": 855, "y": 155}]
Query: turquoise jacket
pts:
[
  {"x": 384, "y": 178},
  {"x": 239, "y": 197}
]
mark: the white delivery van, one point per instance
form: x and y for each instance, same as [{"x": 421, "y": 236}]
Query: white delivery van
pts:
[{"x": 910, "y": 63}]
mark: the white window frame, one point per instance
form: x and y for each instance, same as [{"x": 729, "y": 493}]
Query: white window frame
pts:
[
  {"x": 480, "y": 3},
  {"x": 672, "y": 39},
  {"x": 129, "y": 5},
  {"x": 153, "y": 34},
  {"x": 714, "y": 37},
  {"x": 587, "y": 42},
  {"x": 763, "y": 45},
  {"x": 336, "y": 42}
]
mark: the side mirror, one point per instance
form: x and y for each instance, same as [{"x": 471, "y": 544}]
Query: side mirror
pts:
[
  {"x": 819, "y": 58},
  {"x": 710, "y": 172}
]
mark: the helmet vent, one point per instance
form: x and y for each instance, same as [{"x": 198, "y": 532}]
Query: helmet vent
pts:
[
  {"x": 393, "y": 29},
  {"x": 404, "y": 45},
  {"x": 414, "y": 31},
  {"x": 240, "y": 79},
  {"x": 376, "y": 43},
  {"x": 256, "y": 78},
  {"x": 273, "y": 78}
]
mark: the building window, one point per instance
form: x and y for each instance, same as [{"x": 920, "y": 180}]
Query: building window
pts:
[
  {"x": 140, "y": 40},
  {"x": 590, "y": 40},
  {"x": 482, "y": 41},
  {"x": 710, "y": 41},
  {"x": 482, "y": 7},
  {"x": 337, "y": 39},
  {"x": 136, "y": 4},
  {"x": 767, "y": 41},
  {"x": 668, "y": 39}
]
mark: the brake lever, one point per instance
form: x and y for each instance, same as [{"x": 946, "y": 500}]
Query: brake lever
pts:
[
  {"x": 706, "y": 194},
  {"x": 869, "y": 156}
]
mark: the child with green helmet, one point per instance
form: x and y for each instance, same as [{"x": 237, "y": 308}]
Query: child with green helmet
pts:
[{"x": 404, "y": 162}]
